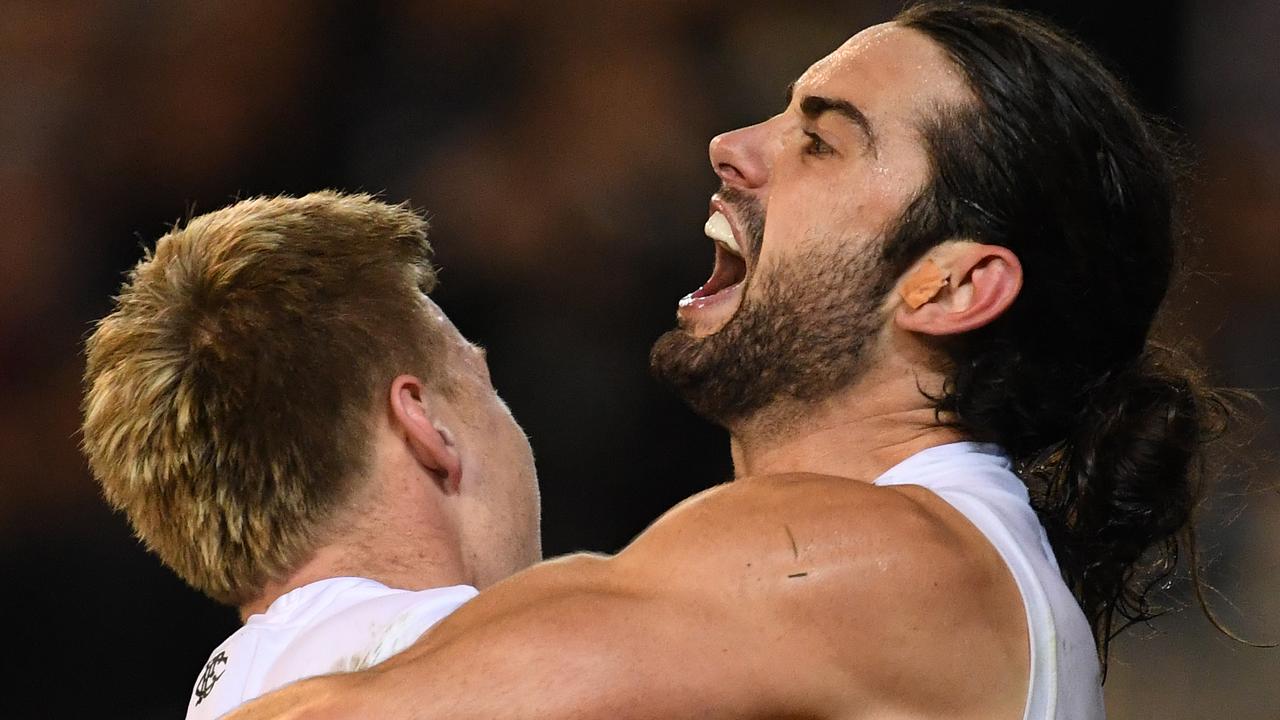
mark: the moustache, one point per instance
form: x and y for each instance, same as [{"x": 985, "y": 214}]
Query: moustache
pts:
[{"x": 750, "y": 211}]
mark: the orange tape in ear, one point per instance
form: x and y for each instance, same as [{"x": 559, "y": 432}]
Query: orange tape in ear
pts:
[{"x": 923, "y": 285}]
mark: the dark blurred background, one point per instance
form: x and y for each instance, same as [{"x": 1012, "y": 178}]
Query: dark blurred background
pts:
[{"x": 560, "y": 148}]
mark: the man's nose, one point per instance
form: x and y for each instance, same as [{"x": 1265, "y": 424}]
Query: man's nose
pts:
[{"x": 739, "y": 159}]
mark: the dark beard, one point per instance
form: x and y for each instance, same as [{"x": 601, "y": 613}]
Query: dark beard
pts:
[{"x": 802, "y": 338}]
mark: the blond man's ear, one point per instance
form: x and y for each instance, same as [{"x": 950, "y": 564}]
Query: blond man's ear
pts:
[{"x": 425, "y": 432}]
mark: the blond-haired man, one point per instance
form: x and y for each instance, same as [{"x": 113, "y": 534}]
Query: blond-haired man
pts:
[{"x": 296, "y": 430}]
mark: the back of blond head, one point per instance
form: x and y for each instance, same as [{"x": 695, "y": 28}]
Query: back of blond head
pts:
[{"x": 229, "y": 398}]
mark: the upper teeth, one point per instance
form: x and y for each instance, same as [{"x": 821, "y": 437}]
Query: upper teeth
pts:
[{"x": 718, "y": 229}]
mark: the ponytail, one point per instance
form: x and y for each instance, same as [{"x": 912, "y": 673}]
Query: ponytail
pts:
[
  {"x": 1114, "y": 468},
  {"x": 1117, "y": 496},
  {"x": 1052, "y": 159}
]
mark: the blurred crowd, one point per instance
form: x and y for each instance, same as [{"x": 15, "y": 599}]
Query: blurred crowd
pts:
[{"x": 560, "y": 150}]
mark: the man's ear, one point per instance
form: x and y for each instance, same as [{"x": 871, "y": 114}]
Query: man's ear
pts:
[
  {"x": 958, "y": 287},
  {"x": 426, "y": 436}
]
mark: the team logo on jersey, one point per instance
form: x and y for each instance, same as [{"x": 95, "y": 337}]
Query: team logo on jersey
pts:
[{"x": 210, "y": 676}]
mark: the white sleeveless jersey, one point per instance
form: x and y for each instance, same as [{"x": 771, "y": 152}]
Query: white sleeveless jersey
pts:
[
  {"x": 977, "y": 480},
  {"x": 333, "y": 625}
]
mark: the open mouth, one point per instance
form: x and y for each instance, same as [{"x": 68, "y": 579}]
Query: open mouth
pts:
[
  {"x": 708, "y": 308},
  {"x": 731, "y": 267}
]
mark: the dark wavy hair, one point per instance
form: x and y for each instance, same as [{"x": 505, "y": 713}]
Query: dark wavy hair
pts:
[{"x": 1053, "y": 160}]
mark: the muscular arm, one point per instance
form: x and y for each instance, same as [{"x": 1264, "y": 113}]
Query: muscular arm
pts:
[
  {"x": 724, "y": 609},
  {"x": 592, "y": 643}
]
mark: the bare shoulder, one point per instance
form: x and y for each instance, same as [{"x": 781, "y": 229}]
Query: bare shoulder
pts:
[
  {"x": 795, "y": 596},
  {"x": 814, "y": 524},
  {"x": 887, "y": 583}
]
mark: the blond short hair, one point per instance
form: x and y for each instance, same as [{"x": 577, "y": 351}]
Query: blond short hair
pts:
[{"x": 229, "y": 396}]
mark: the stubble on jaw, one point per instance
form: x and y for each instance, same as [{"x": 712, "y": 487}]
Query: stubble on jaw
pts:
[{"x": 802, "y": 336}]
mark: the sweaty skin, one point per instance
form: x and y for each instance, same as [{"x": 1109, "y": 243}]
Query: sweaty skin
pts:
[
  {"x": 799, "y": 590},
  {"x": 800, "y": 596}
]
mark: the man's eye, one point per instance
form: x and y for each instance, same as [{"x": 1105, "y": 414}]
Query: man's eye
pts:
[{"x": 816, "y": 145}]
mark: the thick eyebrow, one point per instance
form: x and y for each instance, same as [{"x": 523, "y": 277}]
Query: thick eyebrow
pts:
[{"x": 814, "y": 106}]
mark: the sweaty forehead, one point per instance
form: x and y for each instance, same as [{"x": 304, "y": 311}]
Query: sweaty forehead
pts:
[{"x": 886, "y": 69}]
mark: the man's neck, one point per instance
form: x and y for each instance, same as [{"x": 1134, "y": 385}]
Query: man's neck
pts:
[
  {"x": 857, "y": 433},
  {"x": 420, "y": 572}
]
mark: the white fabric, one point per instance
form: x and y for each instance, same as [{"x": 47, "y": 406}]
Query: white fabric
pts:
[
  {"x": 332, "y": 625},
  {"x": 977, "y": 480}
]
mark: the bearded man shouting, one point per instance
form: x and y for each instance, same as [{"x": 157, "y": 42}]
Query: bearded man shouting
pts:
[{"x": 927, "y": 333}]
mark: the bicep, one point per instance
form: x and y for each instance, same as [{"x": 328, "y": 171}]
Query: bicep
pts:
[{"x": 589, "y": 638}]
